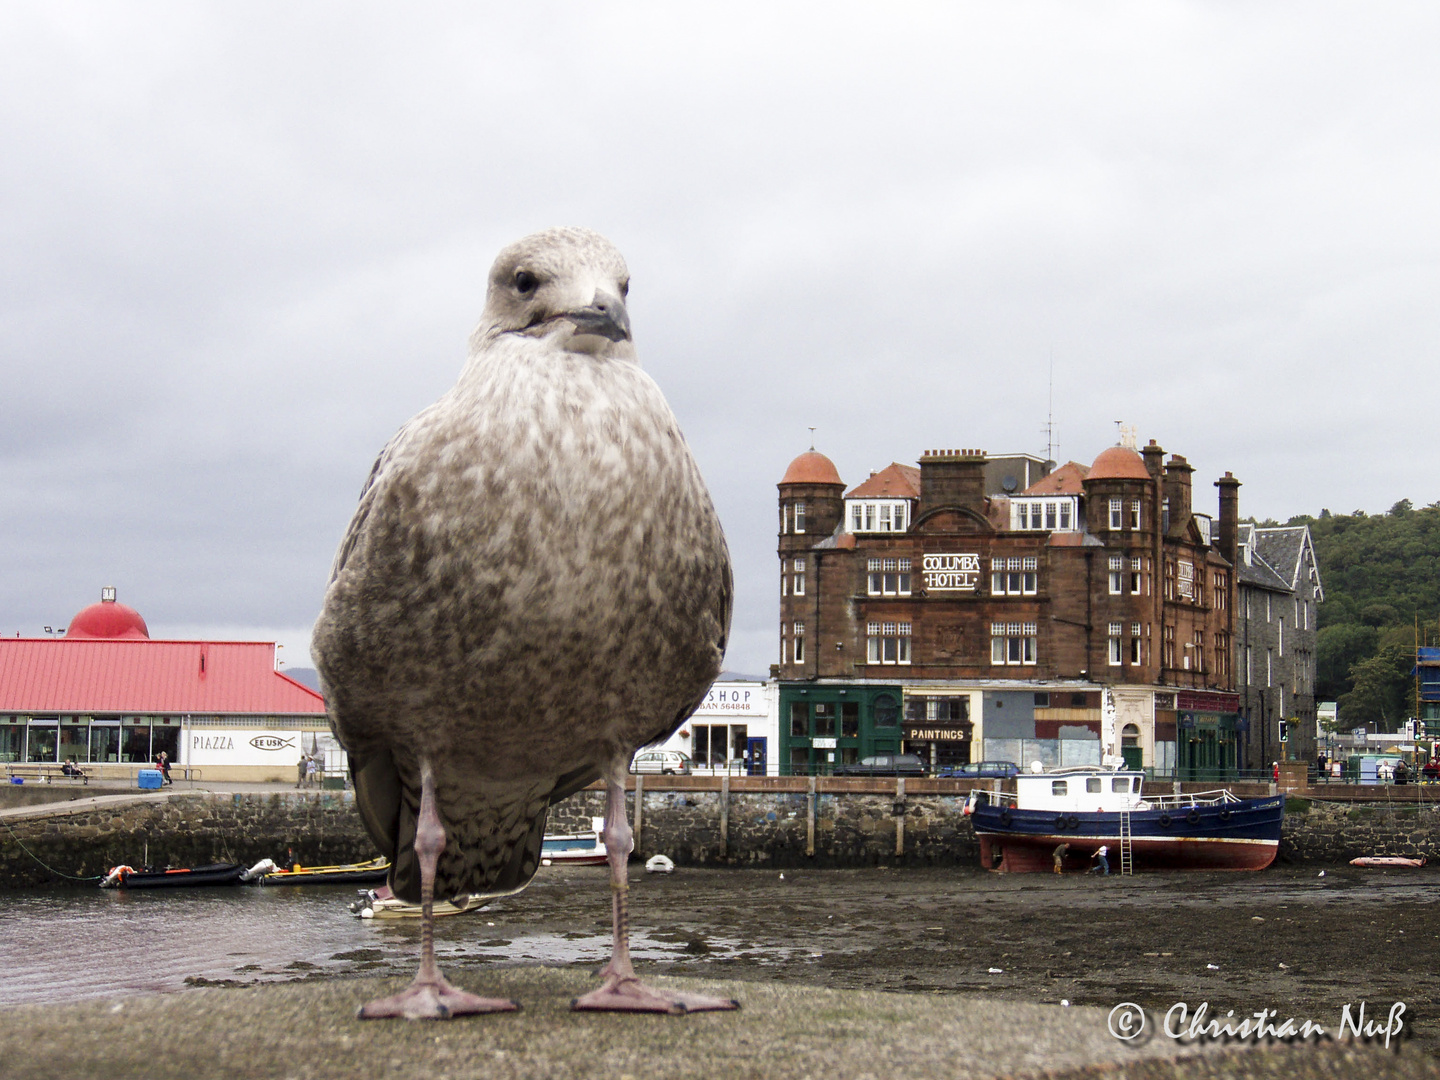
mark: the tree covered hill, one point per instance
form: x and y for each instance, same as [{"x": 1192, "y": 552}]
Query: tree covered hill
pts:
[{"x": 1381, "y": 573}]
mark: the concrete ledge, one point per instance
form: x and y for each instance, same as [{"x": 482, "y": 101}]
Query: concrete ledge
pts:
[{"x": 307, "y": 1031}]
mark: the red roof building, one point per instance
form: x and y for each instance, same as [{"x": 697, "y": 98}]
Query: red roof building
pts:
[{"x": 106, "y": 694}]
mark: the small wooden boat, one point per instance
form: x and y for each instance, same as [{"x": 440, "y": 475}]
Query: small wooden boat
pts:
[
  {"x": 127, "y": 877},
  {"x": 381, "y": 903},
  {"x": 1388, "y": 860},
  {"x": 367, "y": 873}
]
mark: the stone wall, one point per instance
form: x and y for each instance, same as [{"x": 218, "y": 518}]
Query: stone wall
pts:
[
  {"x": 55, "y": 843},
  {"x": 694, "y": 820},
  {"x": 1325, "y": 832}
]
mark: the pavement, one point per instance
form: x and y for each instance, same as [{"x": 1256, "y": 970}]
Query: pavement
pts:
[{"x": 307, "y": 1030}]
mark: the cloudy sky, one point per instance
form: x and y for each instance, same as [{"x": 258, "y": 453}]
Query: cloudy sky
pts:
[{"x": 243, "y": 243}]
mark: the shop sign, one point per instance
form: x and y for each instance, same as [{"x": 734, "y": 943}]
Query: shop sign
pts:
[
  {"x": 937, "y": 734},
  {"x": 733, "y": 700},
  {"x": 242, "y": 746},
  {"x": 951, "y": 573},
  {"x": 823, "y": 744}
]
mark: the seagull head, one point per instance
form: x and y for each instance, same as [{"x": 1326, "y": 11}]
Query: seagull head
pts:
[{"x": 570, "y": 283}]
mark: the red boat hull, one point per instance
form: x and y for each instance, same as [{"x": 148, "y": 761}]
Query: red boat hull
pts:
[{"x": 1033, "y": 854}]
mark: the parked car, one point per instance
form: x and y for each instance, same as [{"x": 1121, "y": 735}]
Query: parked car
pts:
[
  {"x": 983, "y": 770},
  {"x": 884, "y": 765},
  {"x": 665, "y": 762}
]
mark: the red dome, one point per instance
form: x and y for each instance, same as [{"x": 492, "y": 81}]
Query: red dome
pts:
[
  {"x": 812, "y": 467},
  {"x": 1118, "y": 463},
  {"x": 108, "y": 619}
]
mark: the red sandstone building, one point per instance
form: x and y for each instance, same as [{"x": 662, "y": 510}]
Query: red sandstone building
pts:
[
  {"x": 979, "y": 606},
  {"x": 109, "y": 697}
]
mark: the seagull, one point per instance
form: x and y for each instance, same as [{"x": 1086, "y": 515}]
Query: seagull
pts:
[{"x": 535, "y": 584}]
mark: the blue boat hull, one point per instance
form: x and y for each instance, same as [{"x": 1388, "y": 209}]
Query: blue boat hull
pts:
[{"x": 1241, "y": 835}]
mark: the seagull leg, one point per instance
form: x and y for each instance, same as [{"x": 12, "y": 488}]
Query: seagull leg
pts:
[
  {"x": 621, "y": 989},
  {"x": 430, "y": 996}
]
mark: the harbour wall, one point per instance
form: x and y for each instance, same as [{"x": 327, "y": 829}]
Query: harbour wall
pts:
[{"x": 741, "y": 821}]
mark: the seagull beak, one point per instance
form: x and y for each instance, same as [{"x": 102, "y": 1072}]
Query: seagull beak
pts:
[{"x": 605, "y": 317}]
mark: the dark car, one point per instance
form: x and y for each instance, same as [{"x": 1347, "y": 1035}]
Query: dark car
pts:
[
  {"x": 884, "y": 765},
  {"x": 983, "y": 770}
]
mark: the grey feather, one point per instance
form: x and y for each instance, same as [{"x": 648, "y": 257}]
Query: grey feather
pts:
[{"x": 535, "y": 582}]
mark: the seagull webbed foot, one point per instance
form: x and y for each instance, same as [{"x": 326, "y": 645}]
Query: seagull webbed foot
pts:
[
  {"x": 433, "y": 999},
  {"x": 626, "y": 993}
]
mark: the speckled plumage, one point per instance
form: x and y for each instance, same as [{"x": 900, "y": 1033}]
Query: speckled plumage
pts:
[{"x": 535, "y": 582}]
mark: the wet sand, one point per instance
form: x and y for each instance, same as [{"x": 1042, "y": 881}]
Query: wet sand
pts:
[{"x": 1283, "y": 939}]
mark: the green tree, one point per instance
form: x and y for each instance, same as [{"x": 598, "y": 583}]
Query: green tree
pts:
[
  {"x": 1381, "y": 692},
  {"x": 1338, "y": 649}
]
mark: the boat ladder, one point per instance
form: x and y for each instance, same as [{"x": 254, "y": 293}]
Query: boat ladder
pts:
[{"x": 1127, "y": 858}]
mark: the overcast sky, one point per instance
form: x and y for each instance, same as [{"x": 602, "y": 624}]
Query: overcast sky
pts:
[{"x": 243, "y": 243}]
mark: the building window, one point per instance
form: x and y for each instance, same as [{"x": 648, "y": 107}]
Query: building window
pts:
[
  {"x": 1117, "y": 574},
  {"x": 1167, "y": 647},
  {"x": 1222, "y": 656},
  {"x": 1198, "y": 648},
  {"x": 1113, "y": 652},
  {"x": 799, "y": 517},
  {"x": 1117, "y": 511},
  {"x": 824, "y": 719},
  {"x": 799, "y": 643},
  {"x": 1169, "y": 579},
  {"x": 1222, "y": 591},
  {"x": 799, "y": 720},
  {"x": 1134, "y": 513},
  {"x": 784, "y": 577},
  {"x": 1065, "y": 514},
  {"x": 1012, "y": 643},
  {"x": 1280, "y": 636},
  {"x": 784, "y": 518},
  {"x": 879, "y": 517},
  {"x": 889, "y": 577},
  {"x": 1050, "y": 515},
  {"x": 1136, "y": 653},
  {"x": 888, "y": 643},
  {"x": 1136, "y": 576},
  {"x": 1018, "y": 576},
  {"x": 799, "y": 577}
]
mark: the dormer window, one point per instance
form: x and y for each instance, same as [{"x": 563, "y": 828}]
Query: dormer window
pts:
[{"x": 878, "y": 515}]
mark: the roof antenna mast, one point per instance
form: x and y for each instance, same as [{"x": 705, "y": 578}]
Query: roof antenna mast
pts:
[
  {"x": 812, "y": 436},
  {"x": 1050, "y": 445}
]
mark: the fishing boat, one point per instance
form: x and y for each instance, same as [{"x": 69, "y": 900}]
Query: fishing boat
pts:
[
  {"x": 128, "y": 877},
  {"x": 1089, "y": 807},
  {"x": 365, "y": 873}
]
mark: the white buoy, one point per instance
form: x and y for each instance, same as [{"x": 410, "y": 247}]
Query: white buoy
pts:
[{"x": 659, "y": 864}]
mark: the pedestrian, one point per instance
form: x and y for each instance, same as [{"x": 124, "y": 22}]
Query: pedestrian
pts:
[
  {"x": 1060, "y": 857},
  {"x": 163, "y": 763},
  {"x": 1402, "y": 773},
  {"x": 1102, "y": 864},
  {"x": 312, "y": 773},
  {"x": 1275, "y": 771},
  {"x": 300, "y": 769}
]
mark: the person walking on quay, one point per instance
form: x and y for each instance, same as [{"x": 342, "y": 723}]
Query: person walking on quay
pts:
[
  {"x": 1060, "y": 857},
  {"x": 300, "y": 769},
  {"x": 312, "y": 773},
  {"x": 1102, "y": 864}
]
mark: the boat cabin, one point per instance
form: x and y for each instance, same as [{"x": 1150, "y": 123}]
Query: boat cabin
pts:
[{"x": 1089, "y": 790}]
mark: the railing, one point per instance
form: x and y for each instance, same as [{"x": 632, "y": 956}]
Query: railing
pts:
[{"x": 1151, "y": 802}]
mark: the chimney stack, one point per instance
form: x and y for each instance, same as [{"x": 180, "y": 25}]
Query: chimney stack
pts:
[
  {"x": 952, "y": 478},
  {"x": 1229, "y": 516}
]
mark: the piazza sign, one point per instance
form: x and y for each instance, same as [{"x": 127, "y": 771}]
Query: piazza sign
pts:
[{"x": 242, "y": 746}]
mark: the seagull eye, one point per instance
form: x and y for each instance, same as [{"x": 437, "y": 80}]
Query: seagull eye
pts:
[
  {"x": 525, "y": 282},
  {"x": 625, "y": 289}
]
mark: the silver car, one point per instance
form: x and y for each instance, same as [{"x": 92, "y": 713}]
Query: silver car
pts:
[{"x": 664, "y": 762}]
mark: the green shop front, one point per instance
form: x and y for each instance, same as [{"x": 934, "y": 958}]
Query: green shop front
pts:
[
  {"x": 1208, "y": 727},
  {"x": 822, "y": 726}
]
